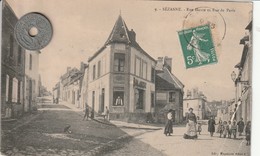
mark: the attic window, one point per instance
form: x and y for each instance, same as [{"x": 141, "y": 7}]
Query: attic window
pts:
[{"x": 122, "y": 35}]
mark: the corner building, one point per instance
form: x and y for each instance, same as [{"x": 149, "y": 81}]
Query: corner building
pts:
[{"x": 121, "y": 76}]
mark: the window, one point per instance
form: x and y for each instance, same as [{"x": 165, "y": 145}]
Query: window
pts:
[
  {"x": 94, "y": 72},
  {"x": 19, "y": 55},
  {"x": 78, "y": 95},
  {"x": 21, "y": 91},
  {"x": 144, "y": 74},
  {"x": 199, "y": 106},
  {"x": 153, "y": 75},
  {"x": 30, "y": 65},
  {"x": 18, "y": 89},
  {"x": 187, "y": 105},
  {"x": 171, "y": 96},
  {"x": 93, "y": 99},
  {"x": 119, "y": 62},
  {"x": 137, "y": 66},
  {"x": 7, "y": 88},
  {"x": 118, "y": 98},
  {"x": 152, "y": 99},
  {"x": 11, "y": 46},
  {"x": 15, "y": 90},
  {"x": 99, "y": 69},
  {"x": 139, "y": 98}
]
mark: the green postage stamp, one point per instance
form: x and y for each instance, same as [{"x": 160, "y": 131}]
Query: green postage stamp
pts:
[{"x": 197, "y": 46}]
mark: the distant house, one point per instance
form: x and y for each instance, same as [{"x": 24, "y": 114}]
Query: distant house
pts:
[
  {"x": 84, "y": 86},
  {"x": 70, "y": 86},
  {"x": 56, "y": 93},
  {"x": 169, "y": 92},
  {"x": 65, "y": 79},
  {"x": 196, "y": 100},
  {"x": 12, "y": 67},
  {"x": 225, "y": 110}
]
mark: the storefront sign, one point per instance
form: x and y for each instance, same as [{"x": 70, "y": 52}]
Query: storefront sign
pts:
[{"x": 139, "y": 83}]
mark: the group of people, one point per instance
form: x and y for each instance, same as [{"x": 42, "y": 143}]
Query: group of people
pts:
[
  {"x": 229, "y": 129},
  {"x": 225, "y": 129},
  {"x": 90, "y": 114},
  {"x": 191, "y": 131}
]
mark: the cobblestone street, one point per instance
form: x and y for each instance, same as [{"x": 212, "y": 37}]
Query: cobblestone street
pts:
[
  {"x": 42, "y": 134},
  {"x": 156, "y": 143}
]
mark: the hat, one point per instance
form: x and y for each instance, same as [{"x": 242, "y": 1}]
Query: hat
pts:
[
  {"x": 190, "y": 108},
  {"x": 170, "y": 110}
]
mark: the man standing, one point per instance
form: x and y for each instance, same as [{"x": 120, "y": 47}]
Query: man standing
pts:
[
  {"x": 119, "y": 101},
  {"x": 241, "y": 126},
  {"x": 86, "y": 112},
  {"x": 107, "y": 113}
]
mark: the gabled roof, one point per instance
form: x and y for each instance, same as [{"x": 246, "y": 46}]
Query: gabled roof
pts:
[
  {"x": 121, "y": 34},
  {"x": 167, "y": 81},
  {"x": 69, "y": 73},
  {"x": 76, "y": 77}
]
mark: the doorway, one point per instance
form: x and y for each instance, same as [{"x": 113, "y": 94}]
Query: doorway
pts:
[{"x": 102, "y": 102}]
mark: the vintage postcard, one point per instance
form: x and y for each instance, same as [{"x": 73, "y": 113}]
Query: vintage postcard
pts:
[{"x": 126, "y": 78}]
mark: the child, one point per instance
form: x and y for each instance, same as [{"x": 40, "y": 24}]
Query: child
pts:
[
  {"x": 199, "y": 128},
  {"x": 92, "y": 113},
  {"x": 225, "y": 129},
  {"x": 229, "y": 129},
  {"x": 86, "y": 112},
  {"x": 234, "y": 129},
  {"x": 221, "y": 129},
  {"x": 248, "y": 133}
]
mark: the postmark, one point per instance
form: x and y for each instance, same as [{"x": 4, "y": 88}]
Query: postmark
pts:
[
  {"x": 33, "y": 31},
  {"x": 197, "y": 46}
]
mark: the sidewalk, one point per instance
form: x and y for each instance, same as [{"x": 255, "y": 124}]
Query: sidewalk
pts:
[
  {"x": 117, "y": 123},
  {"x": 122, "y": 124}
]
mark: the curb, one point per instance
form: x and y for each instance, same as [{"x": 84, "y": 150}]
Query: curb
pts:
[{"x": 142, "y": 128}]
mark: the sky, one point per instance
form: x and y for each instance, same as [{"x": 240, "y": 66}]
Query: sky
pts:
[{"x": 81, "y": 27}]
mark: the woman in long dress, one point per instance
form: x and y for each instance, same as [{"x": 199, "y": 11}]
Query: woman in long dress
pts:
[
  {"x": 168, "y": 127},
  {"x": 211, "y": 126},
  {"x": 191, "y": 132}
]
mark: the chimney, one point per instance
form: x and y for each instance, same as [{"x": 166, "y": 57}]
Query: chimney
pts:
[
  {"x": 132, "y": 35},
  {"x": 68, "y": 69},
  {"x": 82, "y": 66},
  {"x": 159, "y": 64},
  {"x": 188, "y": 94},
  {"x": 168, "y": 63}
]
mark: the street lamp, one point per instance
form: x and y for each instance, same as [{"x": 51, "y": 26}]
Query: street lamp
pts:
[{"x": 234, "y": 78}]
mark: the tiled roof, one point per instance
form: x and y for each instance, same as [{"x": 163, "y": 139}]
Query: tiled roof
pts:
[
  {"x": 78, "y": 77},
  {"x": 121, "y": 34},
  {"x": 167, "y": 81}
]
